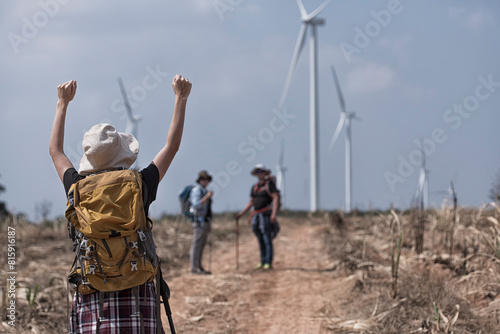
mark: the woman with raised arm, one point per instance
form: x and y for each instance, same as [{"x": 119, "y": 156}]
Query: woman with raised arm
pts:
[{"x": 106, "y": 150}]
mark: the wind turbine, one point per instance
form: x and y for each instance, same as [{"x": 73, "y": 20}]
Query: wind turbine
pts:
[
  {"x": 345, "y": 120},
  {"x": 309, "y": 20},
  {"x": 280, "y": 173},
  {"x": 132, "y": 120},
  {"x": 422, "y": 193}
]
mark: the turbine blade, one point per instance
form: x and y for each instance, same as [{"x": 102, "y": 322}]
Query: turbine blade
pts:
[
  {"x": 421, "y": 181},
  {"x": 423, "y": 160},
  {"x": 317, "y": 11},
  {"x": 303, "y": 12},
  {"x": 125, "y": 99},
  {"x": 419, "y": 194},
  {"x": 339, "y": 90},
  {"x": 416, "y": 197},
  {"x": 298, "y": 49},
  {"x": 356, "y": 117},
  {"x": 337, "y": 131}
]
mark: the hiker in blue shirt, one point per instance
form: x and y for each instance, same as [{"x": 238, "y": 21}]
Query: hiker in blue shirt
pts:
[
  {"x": 201, "y": 207},
  {"x": 264, "y": 198}
]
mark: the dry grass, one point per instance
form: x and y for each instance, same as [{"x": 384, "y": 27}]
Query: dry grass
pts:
[
  {"x": 43, "y": 259},
  {"x": 437, "y": 292}
]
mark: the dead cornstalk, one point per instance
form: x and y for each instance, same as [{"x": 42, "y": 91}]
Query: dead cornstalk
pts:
[
  {"x": 453, "y": 219},
  {"x": 419, "y": 230},
  {"x": 396, "y": 252}
]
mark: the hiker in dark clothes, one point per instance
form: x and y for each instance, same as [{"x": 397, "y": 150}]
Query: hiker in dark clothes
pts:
[
  {"x": 264, "y": 200},
  {"x": 105, "y": 149}
]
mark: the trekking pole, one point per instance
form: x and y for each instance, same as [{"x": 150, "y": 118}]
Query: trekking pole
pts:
[
  {"x": 237, "y": 243},
  {"x": 165, "y": 294},
  {"x": 210, "y": 254},
  {"x": 169, "y": 316}
]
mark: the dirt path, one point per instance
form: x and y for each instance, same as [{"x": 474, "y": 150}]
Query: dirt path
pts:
[{"x": 287, "y": 299}]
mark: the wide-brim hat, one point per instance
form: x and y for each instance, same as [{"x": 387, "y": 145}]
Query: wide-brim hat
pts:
[
  {"x": 204, "y": 175},
  {"x": 260, "y": 167},
  {"x": 104, "y": 148}
]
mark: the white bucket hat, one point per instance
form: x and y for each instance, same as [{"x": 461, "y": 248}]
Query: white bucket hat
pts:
[
  {"x": 104, "y": 148},
  {"x": 260, "y": 167}
]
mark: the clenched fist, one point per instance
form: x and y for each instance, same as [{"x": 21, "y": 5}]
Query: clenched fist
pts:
[
  {"x": 66, "y": 91},
  {"x": 181, "y": 86}
]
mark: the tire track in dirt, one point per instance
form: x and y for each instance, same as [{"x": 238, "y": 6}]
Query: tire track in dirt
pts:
[{"x": 287, "y": 299}]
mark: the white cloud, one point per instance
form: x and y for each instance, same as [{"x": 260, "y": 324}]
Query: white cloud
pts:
[
  {"x": 254, "y": 9},
  {"x": 370, "y": 77},
  {"x": 203, "y": 5},
  {"x": 398, "y": 47},
  {"x": 474, "y": 20}
]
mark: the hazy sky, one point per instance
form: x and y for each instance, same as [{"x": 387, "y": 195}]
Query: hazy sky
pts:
[{"x": 412, "y": 70}]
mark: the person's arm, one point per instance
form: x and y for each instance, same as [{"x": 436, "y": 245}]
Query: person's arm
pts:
[
  {"x": 207, "y": 196},
  {"x": 246, "y": 208},
  {"x": 197, "y": 200},
  {"x": 182, "y": 88},
  {"x": 66, "y": 93},
  {"x": 275, "y": 206}
]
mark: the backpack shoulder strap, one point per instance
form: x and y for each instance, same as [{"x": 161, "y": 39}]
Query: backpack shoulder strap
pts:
[
  {"x": 144, "y": 192},
  {"x": 267, "y": 188},
  {"x": 255, "y": 188}
]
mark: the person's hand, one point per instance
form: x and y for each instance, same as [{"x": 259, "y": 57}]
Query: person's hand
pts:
[
  {"x": 210, "y": 194},
  {"x": 66, "y": 91},
  {"x": 273, "y": 218},
  {"x": 181, "y": 86}
]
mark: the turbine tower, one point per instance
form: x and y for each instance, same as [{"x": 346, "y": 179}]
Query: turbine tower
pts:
[
  {"x": 345, "y": 120},
  {"x": 309, "y": 20},
  {"x": 132, "y": 120},
  {"x": 280, "y": 173},
  {"x": 422, "y": 194}
]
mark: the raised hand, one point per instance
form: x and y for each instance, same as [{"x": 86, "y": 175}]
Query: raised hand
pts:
[
  {"x": 181, "y": 86},
  {"x": 66, "y": 91}
]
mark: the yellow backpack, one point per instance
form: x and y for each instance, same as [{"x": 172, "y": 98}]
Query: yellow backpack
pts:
[{"x": 111, "y": 233}]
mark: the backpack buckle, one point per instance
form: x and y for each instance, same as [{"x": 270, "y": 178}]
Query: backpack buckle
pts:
[
  {"x": 134, "y": 266},
  {"x": 142, "y": 236},
  {"x": 92, "y": 269},
  {"x": 90, "y": 251},
  {"x": 84, "y": 243}
]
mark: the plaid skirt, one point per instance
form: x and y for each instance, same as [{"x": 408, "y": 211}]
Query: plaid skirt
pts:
[{"x": 117, "y": 310}]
